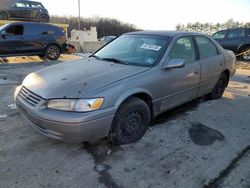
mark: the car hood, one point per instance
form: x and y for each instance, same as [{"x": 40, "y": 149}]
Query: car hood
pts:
[{"x": 75, "y": 78}]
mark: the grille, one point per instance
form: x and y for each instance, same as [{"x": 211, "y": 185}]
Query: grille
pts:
[{"x": 29, "y": 97}]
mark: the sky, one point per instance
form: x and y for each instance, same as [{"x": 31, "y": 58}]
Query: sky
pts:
[{"x": 155, "y": 14}]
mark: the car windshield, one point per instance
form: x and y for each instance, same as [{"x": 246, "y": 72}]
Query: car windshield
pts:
[
  {"x": 141, "y": 50},
  {"x": 3, "y": 26}
]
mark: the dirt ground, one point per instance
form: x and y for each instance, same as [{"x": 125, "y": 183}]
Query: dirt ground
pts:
[{"x": 201, "y": 144}]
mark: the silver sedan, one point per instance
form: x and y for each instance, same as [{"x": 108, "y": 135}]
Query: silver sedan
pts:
[{"x": 119, "y": 89}]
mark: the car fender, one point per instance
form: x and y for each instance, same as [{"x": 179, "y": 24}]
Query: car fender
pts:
[
  {"x": 41, "y": 13},
  {"x": 131, "y": 93},
  {"x": 242, "y": 46},
  {"x": 6, "y": 12}
]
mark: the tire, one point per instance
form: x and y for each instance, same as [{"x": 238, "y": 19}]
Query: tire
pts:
[
  {"x": 3, "y": 16},
  {"x": 219, "y": 88},
  {"x": 246, "y": 56},
  {"x": 130, "y": 122},
  {"x": 53, "y": 52},
  {"x": 43, "y": 18}
]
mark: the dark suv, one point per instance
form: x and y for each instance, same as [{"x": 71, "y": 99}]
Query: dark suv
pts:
[
  {"x": 26, "y": 38},
  {"x": 25, "y": 10},
  {"x": 237, "y": 40}
]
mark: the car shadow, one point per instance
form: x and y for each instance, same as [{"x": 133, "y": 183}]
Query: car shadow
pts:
[{"x": 178, "y": 111}]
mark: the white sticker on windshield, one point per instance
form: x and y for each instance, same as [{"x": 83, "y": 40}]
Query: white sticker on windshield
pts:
[{"x": 151, "y": 47}]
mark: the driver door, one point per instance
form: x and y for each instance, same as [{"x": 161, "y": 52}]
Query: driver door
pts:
[
  {"x": 12, "y": 41},
  {"x": 181, "y": 84}
]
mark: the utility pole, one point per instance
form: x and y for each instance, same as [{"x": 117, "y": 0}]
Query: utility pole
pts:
[{"x": 79, "y": 16}]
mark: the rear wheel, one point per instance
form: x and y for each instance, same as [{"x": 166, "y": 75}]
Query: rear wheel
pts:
[
  {"x": 53, "y": 52},
  {"x": 219, "y": 87},
  {"x": 246, "y": 55},
  {"x": 3, "y": 16},
  {"x": 130, "y": 122},
  {"x": 43, "y": 18}
]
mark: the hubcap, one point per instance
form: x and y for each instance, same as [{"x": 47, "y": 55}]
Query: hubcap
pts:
[
  {"x": 220, "y": 86},
  {"x": 53, "y": 52},
  {"x": 246, "y": 56},
  {"x": 132, "y": 123}
]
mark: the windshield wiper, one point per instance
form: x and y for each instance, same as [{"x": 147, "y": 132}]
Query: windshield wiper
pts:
[
  {"x": 114, "y": 60},
  {"x": 95, "y": 56}
]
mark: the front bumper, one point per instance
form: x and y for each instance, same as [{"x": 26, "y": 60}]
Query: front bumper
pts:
[{"x": 67, "y": 126}]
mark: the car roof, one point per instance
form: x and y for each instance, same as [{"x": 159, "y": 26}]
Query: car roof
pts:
[
  {"x": 35, "y": 2},
  {"x": 32, "y": 23},
  {"x": 164, "y": 33}
]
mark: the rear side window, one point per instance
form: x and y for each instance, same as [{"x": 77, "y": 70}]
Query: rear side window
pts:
[
  {"x": 36, "y": 29},
  {"x": 183, "y": 49},
  {"x": 55, "y": 30},
  {"x": 235, "y": 33},
  {"x": 220, "y": 34},
  {"x": 206, "y": 47}
]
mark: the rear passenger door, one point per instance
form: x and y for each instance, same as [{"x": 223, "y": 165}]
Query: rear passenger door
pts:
[
  {"x": 211, "y": 62},
  {"x": 35, "y": 38}
]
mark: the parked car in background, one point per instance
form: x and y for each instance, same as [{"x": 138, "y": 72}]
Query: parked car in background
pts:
[
  {"x": 26, "y": 38},
  {"x": 118, "y": 90},
  {"x": 107, "y": 39},
  {"x": 237, "y": 40},
  {"x": 25, "y": 10}
]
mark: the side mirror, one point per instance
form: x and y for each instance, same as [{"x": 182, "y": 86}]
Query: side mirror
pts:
[
  {"x": 3, "y": 34},
  {"x": 174, "y": 63}
]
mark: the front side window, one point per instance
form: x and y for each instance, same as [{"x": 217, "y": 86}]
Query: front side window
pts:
[
  {"x": 141, "y": 50},
  {"x": 235, "y": 33},
  {"x": 220, "y": 34},
  {"x": 183, "y": 49},
  {"x": 206, "y": 47},
  {"x": 15, "y": 30}
]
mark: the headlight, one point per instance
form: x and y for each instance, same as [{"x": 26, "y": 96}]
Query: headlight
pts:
[{"x": 75, "y": 105}]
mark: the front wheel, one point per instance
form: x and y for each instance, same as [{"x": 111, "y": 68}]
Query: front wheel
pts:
[
  {"x": 130, "y": 122},
  {"x": 53, "y": 52},
  {"x": 219, "y": 88}
]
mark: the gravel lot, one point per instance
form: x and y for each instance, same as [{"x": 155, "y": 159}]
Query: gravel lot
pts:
[{"x": 200, "y": 144}]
